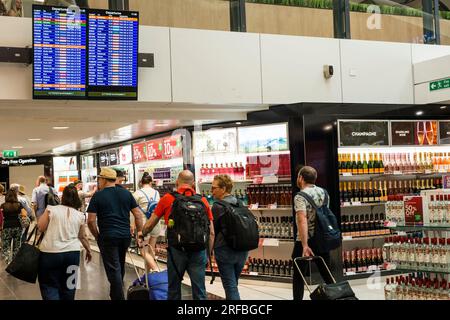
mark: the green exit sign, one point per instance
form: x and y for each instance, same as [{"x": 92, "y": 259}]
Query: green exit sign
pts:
[
  {"x": 441, "y": 84},
  {"x": 10, "y": 154}
]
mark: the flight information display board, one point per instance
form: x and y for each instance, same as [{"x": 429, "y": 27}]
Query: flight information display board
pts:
[
  {"x": 113, "y": 54},
  {"x": 60, "y": 53}
]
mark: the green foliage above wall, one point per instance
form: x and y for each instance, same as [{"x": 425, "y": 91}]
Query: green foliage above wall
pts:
[{"x": 356, "y": 7}]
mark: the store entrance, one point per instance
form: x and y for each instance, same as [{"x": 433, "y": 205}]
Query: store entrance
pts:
[{"x": 26, "y": 176}]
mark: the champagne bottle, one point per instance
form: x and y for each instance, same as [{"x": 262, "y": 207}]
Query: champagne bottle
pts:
[
  {"x": 360, "y": 165},
  {"x": 370, "y": 165},
  {"x": 354, "y": 165},
  {"x": 365, "y": 165}
]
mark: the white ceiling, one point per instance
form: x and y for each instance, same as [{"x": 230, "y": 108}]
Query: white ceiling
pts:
[{"x": 97, "y": 123}]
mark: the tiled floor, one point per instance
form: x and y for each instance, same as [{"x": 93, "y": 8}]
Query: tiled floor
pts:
[{"x": 94, "y": 286}]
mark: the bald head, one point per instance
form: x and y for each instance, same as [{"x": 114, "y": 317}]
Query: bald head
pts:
[{"x": 186, "y": 177}]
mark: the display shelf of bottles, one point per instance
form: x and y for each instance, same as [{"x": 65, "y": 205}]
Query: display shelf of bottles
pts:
[
  {"x": 418, "y": 227},
  {"x": 396, "y": 176},
  {"x": 417, "y": 254},
  {"x": 276, "y": 228},
  {"x": 280, "y": 180},
  {"x": 362, "y": 260},
  {"x": 364, "y": 162},
  {"x": 351, "y": 238},
  {"x": 382, "y": 191},
  {"x": 285, "y": 209},
  {"x": 416, "y": 287},
  {"x": 363, "y": 225},
  {"x": 360, "y": 204}
]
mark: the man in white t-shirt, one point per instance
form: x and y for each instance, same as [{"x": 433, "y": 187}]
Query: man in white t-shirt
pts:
[{"x": 145, "y": 196}]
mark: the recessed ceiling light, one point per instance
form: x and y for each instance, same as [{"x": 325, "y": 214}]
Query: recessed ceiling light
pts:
[
  {"x": 419, "y": 113},
  {"x": 238, "y": 123},
  {"x": 443, "y": 107},
  {"x": 60, "y": 128},
  {"x": 17, "y": 147},
  {"x": 34, "y": 139},
  {"x": 328, "y": 127}
]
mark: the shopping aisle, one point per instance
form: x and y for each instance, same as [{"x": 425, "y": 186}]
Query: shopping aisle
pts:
[{"x": 94, "y": 285}]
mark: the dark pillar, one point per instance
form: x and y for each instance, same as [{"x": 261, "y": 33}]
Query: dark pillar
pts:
[
  {"x": 341, "y": 19},
  {"x": 431, "y": 27},
  {"x": 237, "y": 16}
]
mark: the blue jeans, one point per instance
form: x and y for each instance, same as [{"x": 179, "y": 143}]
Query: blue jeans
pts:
[
  {"x": 113, "y": 253},
  {"x": 195, "y": 265},
  {"x": 58, "y": 275},
  {"x": 230, "y": 263}
]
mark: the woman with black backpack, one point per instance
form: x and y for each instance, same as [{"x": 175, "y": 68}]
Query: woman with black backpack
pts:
[{"x": 229, "y": 261}]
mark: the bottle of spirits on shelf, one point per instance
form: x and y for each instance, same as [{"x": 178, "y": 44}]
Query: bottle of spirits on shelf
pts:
[
  {"x": 370, "y": 165},
  {"x": 365, "y": 165},
  {"x": 359, "y": 165},
  {"x": 380, "y": 165},
  {"x": 389, "y": 290}
]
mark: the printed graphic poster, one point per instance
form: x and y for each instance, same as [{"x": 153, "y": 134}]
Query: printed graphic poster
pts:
[
  {"x": 140, "y": 152},
  {"x": 172, "y": 147},
  {"x": 154, "y": 150},
  {"x": 65, "y": 163},
  {"x": 263, "y": 138},
  {"x": 215, "y": 141},
  {"x": 363, "y": 133},
  {"x": 125, "y": 155},
  {"x": 426, "y": 133},
  {"x": 444, "y": 132},
  {"x": 413, "y": 210},
  {"x": 403, "y": 133},
  {"x": 104, "y": 158}
]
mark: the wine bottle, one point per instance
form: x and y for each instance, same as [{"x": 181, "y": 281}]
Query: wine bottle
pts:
[
  {"x": 354, "y": 165},
  {"x": 371, "y": 193},
  {"x": 360, "y": 165},
  {"x": 365, "y": 193},
  {"x": 357, "y": 227},
  {"x": 370, "y": 165},
  {"x": 365, "y": 165},
  {"x": 340, "y": 162},
  {"x": 355, "y": 193}
]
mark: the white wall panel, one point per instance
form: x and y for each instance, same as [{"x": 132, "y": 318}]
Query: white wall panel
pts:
[
  {"x": 292, "y": 69},
  {"x": 155, "y": 83},
  {"x": 215, "y": 67},
  {"x": 433, "y": 69},
  {"x": 423, "y": 52},
  {"x": 376, "y": 72}
]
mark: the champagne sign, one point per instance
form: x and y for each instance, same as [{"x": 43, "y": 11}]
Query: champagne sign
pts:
[{"x": 363, "y": 133}]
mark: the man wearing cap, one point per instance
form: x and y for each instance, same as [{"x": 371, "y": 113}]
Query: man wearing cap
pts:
[
  {"x": 110, "y": 209},
  {"x": 120, "y": 180},
  {"x": 83, "y": 195}
]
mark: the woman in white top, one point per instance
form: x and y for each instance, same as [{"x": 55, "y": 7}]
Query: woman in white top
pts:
[
  {"x": 64, "y": 228},
  {"x": 143, "y": 197}
]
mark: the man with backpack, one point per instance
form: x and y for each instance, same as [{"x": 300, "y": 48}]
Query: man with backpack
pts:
[
  {"x": 190, "y": 234},
  {"x": 317, "y": 231},
  {"x": 42, "y": 196},
  {"x": 236, "y": 234}
]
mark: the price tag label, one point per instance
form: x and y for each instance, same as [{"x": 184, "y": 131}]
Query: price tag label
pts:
[
  {"x": 271, "y": 243},
  {"x": 272, "y": 206},
  {"x": 390, "y": 224},
  {"x": 257, "y": 180},
  {"x": 347, "y": 174},
  {"x": 356, "y": 203},
  {"x": 254, "y": 206},
  {"x": 347, "y": 238},
  {"x": 442, "y": 171},
  {"x": 270, "y": 179},
  {"x": 253, "y": 273},
  {"x": 347, "y": 204},
  {"x": 428, "y": 171},
  {"x": 398, "y": 172},
  {"x": 350, "y": 273}
]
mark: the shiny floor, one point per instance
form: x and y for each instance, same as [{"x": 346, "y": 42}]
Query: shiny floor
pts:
[{"x": 93, "y": 284}]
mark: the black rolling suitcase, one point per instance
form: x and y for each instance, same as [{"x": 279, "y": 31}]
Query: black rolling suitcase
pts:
[
  {"x": 332, "y": 291},
  {"x": 138, "y": 291}
]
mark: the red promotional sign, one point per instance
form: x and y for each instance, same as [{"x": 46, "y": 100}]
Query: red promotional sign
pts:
[
  {"x": 413, "y": 210},
  {"x": 139, "y": 152},
  {"x": 172, "y": 147},
  {"x": 154, "y": 150}
]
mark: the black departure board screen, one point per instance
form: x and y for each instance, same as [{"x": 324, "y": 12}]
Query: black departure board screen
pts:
[
  {"x": 59, "y": 53},
  {"x": 113, "y": 54}
]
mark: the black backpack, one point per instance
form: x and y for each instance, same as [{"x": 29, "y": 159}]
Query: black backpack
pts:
[
  {"x": 327, "y": 235},
  {"x": 51, "y": 199},
  {"x": 238, "y": 226},
  {"x": 190, "y": 229}
]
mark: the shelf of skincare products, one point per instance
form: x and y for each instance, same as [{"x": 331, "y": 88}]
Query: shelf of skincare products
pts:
[
  {"x": 408, "y": 161},
  {"x": 417, "y": 254},
  {"x": 362, "y": 260},
  {"x": 417, "y": 287}
]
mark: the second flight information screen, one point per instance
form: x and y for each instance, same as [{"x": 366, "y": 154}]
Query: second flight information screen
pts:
[{"x": 113, "y": 54}]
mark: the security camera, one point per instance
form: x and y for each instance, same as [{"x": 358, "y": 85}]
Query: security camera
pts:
[{"x": 328, "y": 71}]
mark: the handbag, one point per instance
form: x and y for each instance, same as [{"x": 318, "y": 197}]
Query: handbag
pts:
[
  {"x": 25, "y": 265},
  {"x": 24, "y": 221}
]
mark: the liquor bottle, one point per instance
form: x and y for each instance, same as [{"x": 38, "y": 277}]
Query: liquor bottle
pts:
[
  {"x": 348, "y": 164},
  {"x": 371, "y": 195},
  {"x": 388, "y": 290},
  {"x": 354, "y": 165},
  {"x": 344, "y": 225},
  {"x": 340, "y": 162},
  {"x": 370, "y": 165},
  {"x": 380, "y": 164},
  {"x": 359, "y": 165},
  {"x": 357, "y": 227},
  {"x": 377, "y": 191},
  {"x": 414, "y": 164},
  {"x": 356, "y": 193},
  {"x": 362, "y": 261},
  {"x": 351, "y": 226},
  {"x": 365, "y": 165},
  {"x": 365, "y": 193},
  {"x": 385, "y": 192}
]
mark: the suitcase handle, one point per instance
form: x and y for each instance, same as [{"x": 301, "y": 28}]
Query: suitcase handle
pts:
[
  {"x": 313, "y": 258},
  {"x": 136, "y": 270}
]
